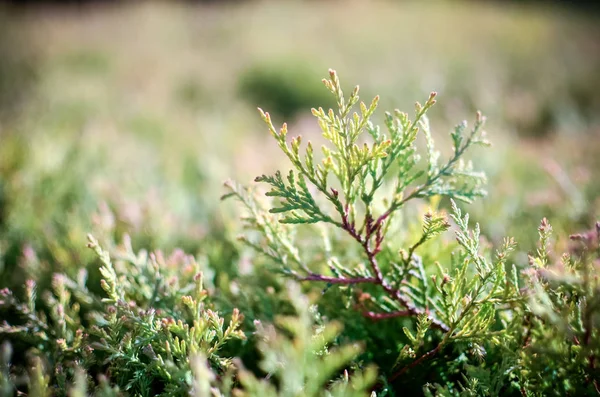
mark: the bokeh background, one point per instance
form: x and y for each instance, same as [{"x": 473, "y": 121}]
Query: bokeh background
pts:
[{"x": 126, "y": 117}]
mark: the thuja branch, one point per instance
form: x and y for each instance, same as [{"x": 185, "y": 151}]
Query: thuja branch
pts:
[
  {"x": 371, "y": 253},
  {"x": 360, "y": 168}
]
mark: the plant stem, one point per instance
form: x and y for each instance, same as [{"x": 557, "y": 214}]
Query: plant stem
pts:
[{"x": 419, "y": 360}]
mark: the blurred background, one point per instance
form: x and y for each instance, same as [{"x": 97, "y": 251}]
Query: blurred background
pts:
[{"x": 128, "y": 116}]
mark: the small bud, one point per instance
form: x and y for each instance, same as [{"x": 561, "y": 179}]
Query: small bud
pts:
[
  {"x": 445, "y": 280},
  {"x": 187, "y": 300},
  {"x": 62, "y": 344},
  {"x": 431, "y": 101},
  {"x": 236, "y": 316},
  {"x": 545, "y": 226}
]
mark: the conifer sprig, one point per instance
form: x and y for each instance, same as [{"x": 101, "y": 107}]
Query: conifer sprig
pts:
[{"x": 350, "y": 175}]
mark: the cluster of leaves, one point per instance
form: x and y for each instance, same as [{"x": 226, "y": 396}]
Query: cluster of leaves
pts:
[
  {"x": 153, "y": 330},
  {"x": 560, "y": 336},
  {"x": 153, "y": 317},
  {"x": 359, "y": 172},
  {"x": 472, "y": 320},
  {"x": 546, "y": 340}
]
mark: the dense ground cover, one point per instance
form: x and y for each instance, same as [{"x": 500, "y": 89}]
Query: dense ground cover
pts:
[{"x": 128, "y": 134}]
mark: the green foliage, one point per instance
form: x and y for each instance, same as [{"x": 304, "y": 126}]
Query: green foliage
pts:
[
  {"x": 154, "y": 330},
  {"x": 359, "y": 172},
  {"x": 308, "y": 353},
  {"x": 471, "y": 318},
  {"x": 559, "y": 352},
  {"x": 152, "y": 317},
  {"x": 114, "y": 137},
  {"x": 346, "y": 282}
]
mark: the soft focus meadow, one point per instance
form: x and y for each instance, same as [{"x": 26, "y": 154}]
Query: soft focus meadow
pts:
[{"x": 124, "y": 120}]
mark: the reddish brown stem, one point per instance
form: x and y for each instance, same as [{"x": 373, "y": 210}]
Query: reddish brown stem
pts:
[
  {"x": 338, "y": 280},
  {"x": 383, "y": 316},
  {"x": 373, "y": 228},
  {"x": 418, "y": 361}
]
